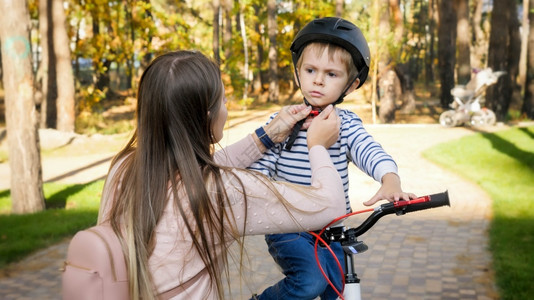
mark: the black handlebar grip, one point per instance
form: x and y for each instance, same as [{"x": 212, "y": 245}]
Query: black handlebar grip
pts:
[{"x": 436, "y": 200}]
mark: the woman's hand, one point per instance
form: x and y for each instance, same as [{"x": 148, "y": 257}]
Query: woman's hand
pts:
[
  {"x": 324, "y": 129},
  {"x": 280, "y": 127}
]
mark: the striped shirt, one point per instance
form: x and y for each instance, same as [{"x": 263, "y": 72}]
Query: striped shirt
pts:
[{"x": 355, "y": 145}]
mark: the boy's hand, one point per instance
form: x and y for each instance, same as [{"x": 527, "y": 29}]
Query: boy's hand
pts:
[
  {"x": 390, "y": 190},
  {"x": 280, "y": 127},
  {"x": 324, "y": 129}
]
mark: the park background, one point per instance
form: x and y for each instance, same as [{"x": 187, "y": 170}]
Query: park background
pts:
[{"x": 73, "y": 66}]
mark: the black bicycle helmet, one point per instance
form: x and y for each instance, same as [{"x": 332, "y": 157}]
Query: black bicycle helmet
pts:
[{"x": 339, "y": 32}]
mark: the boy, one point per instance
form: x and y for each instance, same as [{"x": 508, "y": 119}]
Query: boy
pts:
[{"x": 331, "y": 59}]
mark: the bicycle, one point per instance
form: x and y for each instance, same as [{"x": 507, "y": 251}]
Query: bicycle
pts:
[{"x": 348, "y": 237}]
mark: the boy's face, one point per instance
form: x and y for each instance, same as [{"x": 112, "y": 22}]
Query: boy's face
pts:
[{"x": 323, "y": 79}]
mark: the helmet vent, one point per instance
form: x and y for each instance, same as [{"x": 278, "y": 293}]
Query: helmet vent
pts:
[{"x": 344, "y": 28}]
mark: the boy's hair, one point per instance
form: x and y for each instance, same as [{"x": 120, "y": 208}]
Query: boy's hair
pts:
[{"x": 333, "y": 50}]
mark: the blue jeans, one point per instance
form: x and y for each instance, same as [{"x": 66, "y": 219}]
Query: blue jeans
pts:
[{"x": 295, "y": 254}]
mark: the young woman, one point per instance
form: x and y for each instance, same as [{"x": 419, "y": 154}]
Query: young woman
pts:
[{"x": 177, "y": 205}]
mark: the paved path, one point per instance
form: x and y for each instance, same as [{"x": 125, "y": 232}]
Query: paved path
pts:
[{"x": 435, "y": 254}]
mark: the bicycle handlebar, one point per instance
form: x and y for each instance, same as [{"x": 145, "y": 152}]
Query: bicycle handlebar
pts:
[{"x": 399, "y": 208}]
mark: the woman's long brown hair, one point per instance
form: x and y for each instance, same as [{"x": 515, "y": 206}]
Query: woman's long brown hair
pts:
[{"x": 179, "y": 94}]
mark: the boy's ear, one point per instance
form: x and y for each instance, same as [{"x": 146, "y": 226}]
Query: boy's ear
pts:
[{"x": 353, "y": 86}]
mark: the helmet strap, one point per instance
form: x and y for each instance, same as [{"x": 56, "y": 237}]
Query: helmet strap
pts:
[{"x": 342, "y": 96}]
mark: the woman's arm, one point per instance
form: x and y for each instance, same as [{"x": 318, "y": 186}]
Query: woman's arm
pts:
[{"x": 303, "y": 208}]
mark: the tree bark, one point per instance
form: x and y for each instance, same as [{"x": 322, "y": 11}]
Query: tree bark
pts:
[
  {"x": 388, "y": 82},
  {"x": 429, "y": 58},
  {"x": 42, "y": 71},
  {"x": 46, "y": 75},
  {"x": 501, "y": 49},
  {"x": 390, "y": 90},
  {"x": 446, "y": 50},
  {"x": 463, "y": 41},
  {"x": 528, "y": 101},
  {"x": 242, "y": 29},
  {"x": 65, "y": 79},
  {"x": 21, "y": 113},
  {"x": 257, "y": 84},
  {"x": 273, "y": 55},
  {"x": 481, "y": 39},
  {"x": 216, "y": 30},
  {"x": 339, "y": 8},
  {"x": 228, "y": 31}
]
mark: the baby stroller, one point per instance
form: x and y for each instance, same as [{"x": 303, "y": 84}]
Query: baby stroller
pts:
[{"x": 469, "y": 99}]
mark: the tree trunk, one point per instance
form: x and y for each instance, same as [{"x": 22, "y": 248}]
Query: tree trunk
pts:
[
  {"x": 397, "y": 19},
  {"x": 257, "y": 84},
  {"x": 388, "y": 83},
  {"x": 463, "y": 41},
  {"x": 21, "y": 113},
  {"x": 216, "y": 30},
  {"x": 480, "y": 44},
  {"x": 42, "y": 71},
  {"x": 446, "y": 51},
  {"x": 339, "y": 8},
  {"x": 46, "y": 75},
  {"x": 525, "y": 31},
  {"x": 297, "y": 26},
  {"x": 499, "y": 57},
  {"x": 227, "y": 33},
  {"x": 242, "y": 29},
  {"x": 406, "y": 81},
  {"x": 65, "y": 79},
  {"x": 528, "y": 102},
  {"x": 273, "y": 55},
  {"x": 429, "y": 61},
  {"x": 389, "y": 91},
  {"x": 402, "y": 71}
]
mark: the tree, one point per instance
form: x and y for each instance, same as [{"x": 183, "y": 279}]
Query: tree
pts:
[
  {"x": 463, "y": 41},
  {"x": 48, "y": 88},
  {"x": 216, "y": 30},
  {"x": 446, "y": 50},
  {"x": 55, "y": 72},
  {"x": 429, "y": 39},
  {"x": 21, "y": 113},
  {"x": 479, "y": 25},
  {"x": 528, "y": 101},
  {"x": 64, "y": 77},
  {"x": 503, "y": 55},
  {"x": 272, "y": 28},
  {"x": 388, "y": 83}
]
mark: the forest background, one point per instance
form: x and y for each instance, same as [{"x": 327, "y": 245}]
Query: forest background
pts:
[{"x": 64, "y": 62}]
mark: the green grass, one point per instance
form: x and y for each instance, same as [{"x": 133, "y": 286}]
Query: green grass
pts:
[
  {"x": 502, "y": 164},
  {"x": 70, "y": 207}
]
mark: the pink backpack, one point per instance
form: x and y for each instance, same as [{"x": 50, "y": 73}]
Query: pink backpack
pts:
[{"x": 95, "y": 267}]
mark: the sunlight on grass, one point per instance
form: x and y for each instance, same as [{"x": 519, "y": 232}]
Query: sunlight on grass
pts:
[
  {"x": 501, "y": 163},
  {"x": 102, "y": 144},
  {"x": 70, "y": 207}
]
